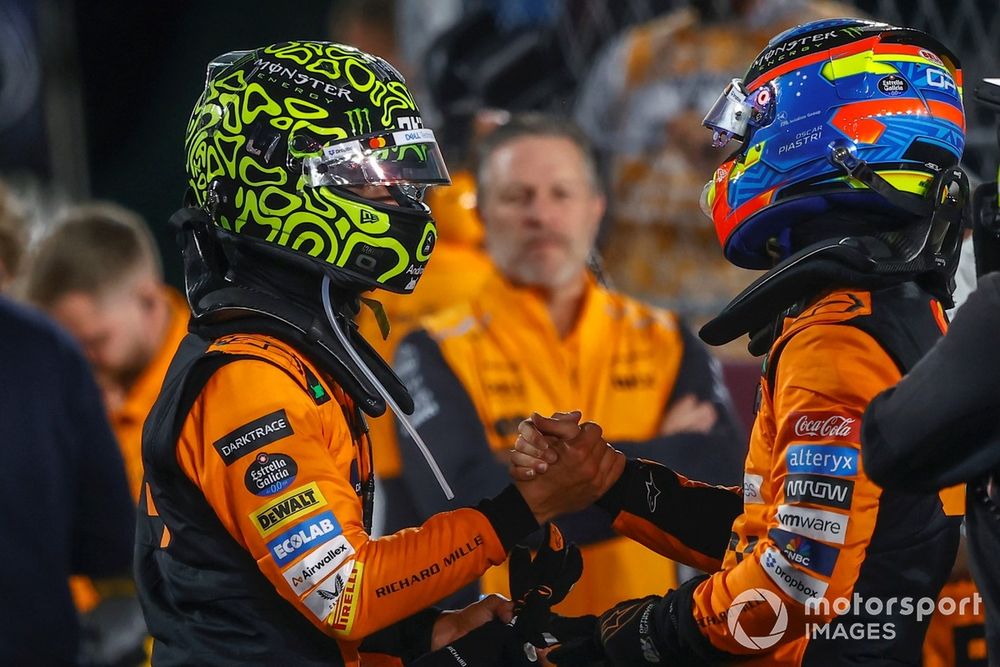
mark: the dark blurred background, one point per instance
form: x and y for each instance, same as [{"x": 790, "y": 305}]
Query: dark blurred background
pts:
[{"x": 95, "y": 96}]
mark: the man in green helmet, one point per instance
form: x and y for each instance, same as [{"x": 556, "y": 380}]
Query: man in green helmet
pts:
[{"x": 307, "y": 163}]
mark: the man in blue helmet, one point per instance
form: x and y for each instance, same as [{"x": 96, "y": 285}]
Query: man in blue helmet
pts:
[{"x": 844, "y": 187}]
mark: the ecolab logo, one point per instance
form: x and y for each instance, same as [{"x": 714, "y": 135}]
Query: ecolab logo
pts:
[
  {"x": 827, "y": 426},
  {"x": 287, "y": 546}
]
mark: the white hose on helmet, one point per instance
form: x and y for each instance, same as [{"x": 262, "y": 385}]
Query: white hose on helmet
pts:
[{"x": 383, "y": 392}]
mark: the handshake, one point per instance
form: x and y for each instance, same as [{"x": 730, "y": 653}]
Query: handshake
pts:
[{"x": 562, "y": 466}]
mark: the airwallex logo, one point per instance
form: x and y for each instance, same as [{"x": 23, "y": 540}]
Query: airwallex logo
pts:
[{"x": 856, "y": 618}]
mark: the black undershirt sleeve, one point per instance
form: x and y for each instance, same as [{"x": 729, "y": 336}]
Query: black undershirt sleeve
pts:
[{"x": 941, "y": 424}]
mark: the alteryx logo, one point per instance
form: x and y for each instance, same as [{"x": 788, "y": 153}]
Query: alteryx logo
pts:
[
  {"x": 300, "y": 538},
  {"x": 822, "y": 460}
]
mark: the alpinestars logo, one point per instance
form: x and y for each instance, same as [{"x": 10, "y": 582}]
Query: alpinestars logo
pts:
[{"x": 652, "y": 493}]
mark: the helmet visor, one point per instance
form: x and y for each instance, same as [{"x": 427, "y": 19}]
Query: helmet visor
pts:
[
  {"x": 399, "y": 157},
  {"x": 730, "y": 114}
]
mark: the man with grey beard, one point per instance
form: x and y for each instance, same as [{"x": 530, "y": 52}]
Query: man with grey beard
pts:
[{"x": 546, "y": 335}]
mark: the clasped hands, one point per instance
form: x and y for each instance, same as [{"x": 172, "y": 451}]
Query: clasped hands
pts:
[{"x": 560, "y": 465}]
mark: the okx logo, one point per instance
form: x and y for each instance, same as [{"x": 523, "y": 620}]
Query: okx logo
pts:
[{"x": 753, "y": 598}]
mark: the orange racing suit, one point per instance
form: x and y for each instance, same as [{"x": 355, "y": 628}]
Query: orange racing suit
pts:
[
  {"x": 252, "y": 542},
  {"x": 811, "y": 527}
]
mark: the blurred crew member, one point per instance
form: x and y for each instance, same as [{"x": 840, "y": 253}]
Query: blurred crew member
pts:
[
  {"x": 98, "y": 274},
  {"x": 543, "y": 334}
]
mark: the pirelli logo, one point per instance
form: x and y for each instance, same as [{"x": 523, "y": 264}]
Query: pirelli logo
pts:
[
  {"x": 342, "y": 619},
  {"x": 287, "y": 508}
]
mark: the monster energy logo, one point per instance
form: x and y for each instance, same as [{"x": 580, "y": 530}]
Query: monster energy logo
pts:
[
  {"x": 360, "y": 120},
  {"x": 799, "y": 46}
]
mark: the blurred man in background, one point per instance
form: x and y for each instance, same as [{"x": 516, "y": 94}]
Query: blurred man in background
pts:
[
  {"x": 544, "y": 335},
  {"x": 642, "y": 106},
  {"x": 65, "y": 490},
  {"x": 99, "y": 275}
]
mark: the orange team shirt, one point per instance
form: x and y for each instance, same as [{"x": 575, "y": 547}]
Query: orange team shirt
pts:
[
  {"x": 618, "y": 366},
  {"x": 959, "y": 639},
  {"x": 127, "y": 420}
]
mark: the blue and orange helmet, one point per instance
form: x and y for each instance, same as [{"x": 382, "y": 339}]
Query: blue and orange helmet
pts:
[{"x": 875, "y": 94}]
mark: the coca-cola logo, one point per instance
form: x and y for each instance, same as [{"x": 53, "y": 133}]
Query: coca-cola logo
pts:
[{"x": 826, "y": 426}]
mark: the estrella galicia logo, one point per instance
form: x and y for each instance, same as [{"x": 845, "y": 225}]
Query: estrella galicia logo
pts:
[
  {"x": 804, "y": 552},
  {"x": 822, "y": 460},
  {"x": 289, "y": 545},
  {"x": 893, "y": 85},
  {"x": 270, "y": 473},
  {"x": 251, "y": 437}
]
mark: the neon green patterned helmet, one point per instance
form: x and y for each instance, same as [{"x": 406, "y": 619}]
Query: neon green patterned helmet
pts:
[{"x": 286, "y": 149}]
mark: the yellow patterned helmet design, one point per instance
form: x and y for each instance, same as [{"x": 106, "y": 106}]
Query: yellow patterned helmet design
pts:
[{"x": 318, "y": 149}]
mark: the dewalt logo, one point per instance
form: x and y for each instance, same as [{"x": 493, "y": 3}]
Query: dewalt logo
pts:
[{"x": 287, "y": 508}]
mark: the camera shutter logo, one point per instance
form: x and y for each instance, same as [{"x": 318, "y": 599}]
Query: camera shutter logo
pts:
[{"x": 757, "y": 595}]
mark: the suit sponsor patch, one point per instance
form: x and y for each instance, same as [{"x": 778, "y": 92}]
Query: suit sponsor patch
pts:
[
  {"x": 818, "y": 524},
  {"x": 793, "y": 581},
  {"x": 342, "y": 620},
  {"x": 295, "y": 541},
  {"x": 819, "y": 490},
  {"x": 251, "y": 437},
  {"x": 825, "y": 426},
  {"x": 323, "y": 601},
  {"x": 822, "y": 460},
  {"x": 270, "y": 474},
  {"x": 284, "y": 509},
  {"x": 317, "y": 564},
  {"x": 802, "y": 551},
  {"x": 751, "y": 489}
]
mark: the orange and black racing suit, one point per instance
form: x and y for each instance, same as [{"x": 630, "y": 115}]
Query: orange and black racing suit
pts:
[
  {"x": 811, "y": 528},
  {"x": 252, "y": 542}
]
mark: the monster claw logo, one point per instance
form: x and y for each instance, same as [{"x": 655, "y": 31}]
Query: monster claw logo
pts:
[{"x": 360, "y": 120}]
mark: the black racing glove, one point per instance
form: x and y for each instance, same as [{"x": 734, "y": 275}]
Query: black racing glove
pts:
[
  {"x": 538, "y": 584},
  {"x": 620, "y": 636},
  {"x": 493, "y": 644}
]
